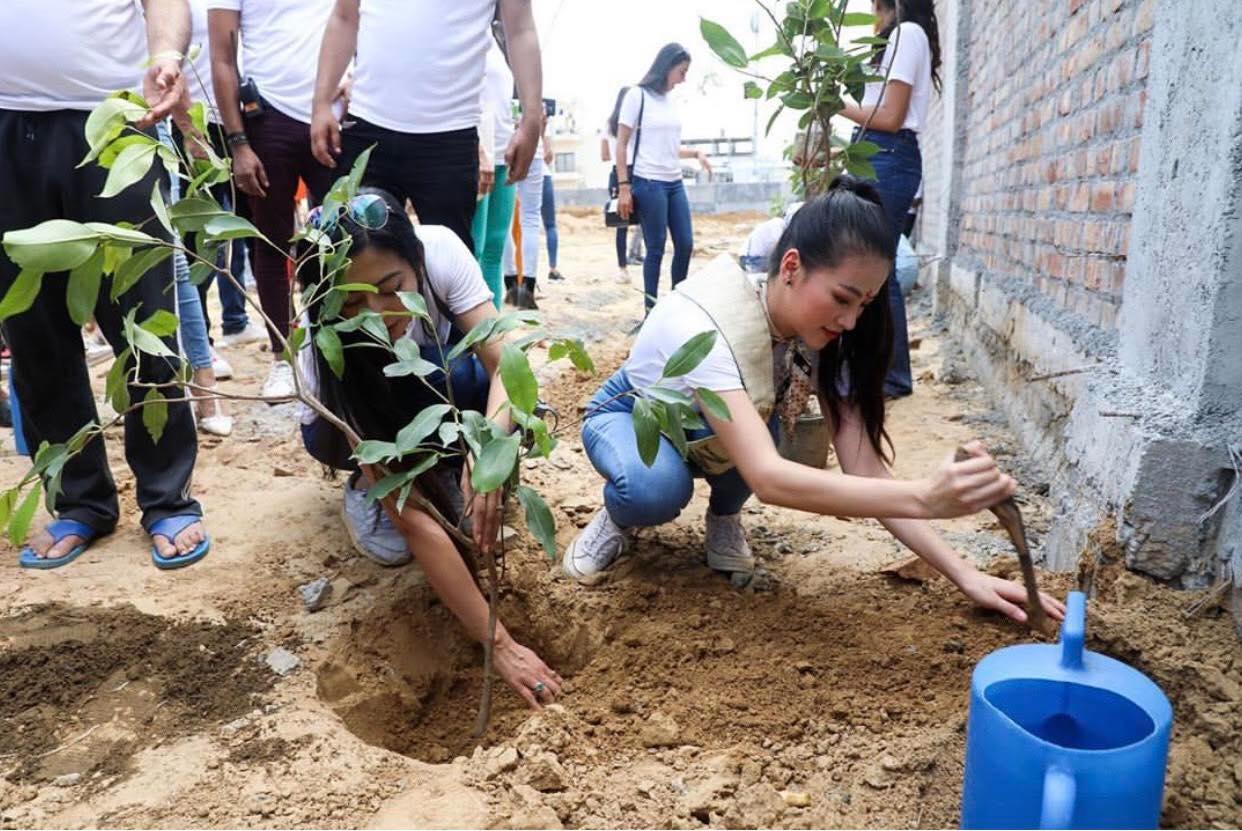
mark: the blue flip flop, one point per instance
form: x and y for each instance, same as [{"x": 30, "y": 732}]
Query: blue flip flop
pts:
[
  {"x": 59, "y": 529},
  {"x": 168, "y": 528}
]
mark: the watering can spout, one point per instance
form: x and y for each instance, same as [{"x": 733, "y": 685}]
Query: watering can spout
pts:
[{"x": 1074, "y": 630}]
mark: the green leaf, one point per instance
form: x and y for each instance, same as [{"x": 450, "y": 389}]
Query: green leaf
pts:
[
  {"x": 817, "y": 9},
  {"x": 372, "y": 452},
  {"x": 713, "y": 404},
  {"x": 539, "y": 520},
  {"x": 198, "y": 112},
  {"x": 107, "y": 121},
  {"x": 229, "y": 226},
  {"x": 414, "y": 303},
  {"x": 495, "y": 464},
  {"x": 54, "y": 245},
  {"x": 135, "y": 268},
  {"x": 116, "y": 386},
  {"x": 689, "y": 355},
  {"x": 401, "y": 479},
  {"x": 860, "y": 168},
  {"x": 200, "y": 271},
  {"x": 83, "y": 289},
  {"x": 857, "y": 19},
  {"x": 122, "y": 233},
  {"x": 871, "y": 40},
  {"x": 19, "y": 525},
  {"x": 417, "y": 366},
  {"x": 490, "y": 328},
  {"x": 751, "y": 90},
  {"x": 144, "y": 342},
  {"x": 356, "y": 172},
  {"x": 519, "y": 381},
  {"x": 646, "y": 430},
  {"x": 797, "y": 100},
  {"x": 449, "y": 431},
  {"x": 420, "y": 427},
  {"x": 154, "y": 414},
  {"x": 668, "y": 396},
  {"x": 161, "y": 210},
  {"x": 21, "y": 295},
  {"x": 722, "y": 43},
  {"x": 778, "y": 48},
  {"x": 829, "y": 52},
  {"x": 7, "y": 500},
  {"x": 573, "y": 349},
  {"x": 329, "y": 344},
  {"x": 369, "y": 288},
  {"x": 131, "y": 166},
  {"x": 161, "y": 324},
  {"x": 476, "y": 430},
  {"x": 296, "y": 339},
  {"x": 193, "y": 213}
]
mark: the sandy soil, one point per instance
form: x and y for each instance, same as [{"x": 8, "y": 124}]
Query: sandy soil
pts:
[{"x": 836, "y": 696}]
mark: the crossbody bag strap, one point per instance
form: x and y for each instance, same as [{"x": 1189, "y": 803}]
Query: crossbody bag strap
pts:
[{"x": 638, "y": 139}]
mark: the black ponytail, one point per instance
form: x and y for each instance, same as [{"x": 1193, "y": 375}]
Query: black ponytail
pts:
[
  {"x": 849, "y": 221},
  {"x": 615, "y": 118},
  {"x": 922, "y": 12}
]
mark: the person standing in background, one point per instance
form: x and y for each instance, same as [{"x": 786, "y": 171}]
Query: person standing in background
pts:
[
  {"x": 548, "y": 209},
  {"x": 418, "y": 71},
  {"x": 278, "y": 42},
  {"x": 530, "y": 223},
  {"x": 895, "y": 114},
  {"x": 653, "y": 184},
  {"x": 494, "y": 212},
  {"x": 608, "y": 153},
  {"x": 58, "y": 60}
]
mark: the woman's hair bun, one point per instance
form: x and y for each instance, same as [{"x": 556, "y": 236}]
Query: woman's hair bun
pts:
[{"x": 859, "y": 187}]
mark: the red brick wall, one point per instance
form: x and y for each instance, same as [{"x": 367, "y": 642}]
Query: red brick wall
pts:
[{"x": 1054, "y": 108}]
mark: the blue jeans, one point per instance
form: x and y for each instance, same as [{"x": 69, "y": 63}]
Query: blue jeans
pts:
[
  {"x": 192, "y": 326},
  {"x": 471, "y": 385},
  {"x": 530, "y": 217},
  {"x": 663, "y": 209},
  {"x": 637, "y": 496},
  {"x": 548, "y": 209},
  {"x": 898, "y": 169}
]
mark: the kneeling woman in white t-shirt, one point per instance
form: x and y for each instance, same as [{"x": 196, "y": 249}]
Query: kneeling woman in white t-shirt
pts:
[
  {"x": 825, "y": 292},
  {"x": 386, "y": 252}
]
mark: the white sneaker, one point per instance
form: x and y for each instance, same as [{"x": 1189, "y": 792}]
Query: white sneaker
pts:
[
  {"x": 222, "y": 368},
  {"x": 727, "y": 548},
  {"x": 370, "y": 529},
  {"x": 216, "y": 425},
  {"x": 251, "y": 334},
  {"x": 279, "y": 383},
  {"x": 595, "y": 548},
  {"x": 623, "y": 276}
]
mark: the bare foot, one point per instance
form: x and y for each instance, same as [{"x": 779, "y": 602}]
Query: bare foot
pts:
[
  {"x": 42, "y": 545},
  {"x": 183, "y": 544}
]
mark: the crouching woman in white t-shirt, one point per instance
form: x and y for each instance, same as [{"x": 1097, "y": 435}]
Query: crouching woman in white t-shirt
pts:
[
  {"x": 387, "y": 253},
  {"x": 825, "y": 292}
]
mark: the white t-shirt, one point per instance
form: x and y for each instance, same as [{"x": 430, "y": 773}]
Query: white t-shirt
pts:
[
  {"x": 419, "y": 65},
  {"x": 280, "y": 48},
  {"x": 69, "y": 54},
  {"x": 454, "y": 276},
  {"x": 497, "y": 99},
  {"x": 672, "y": 322},
  {"x": 912, "y": 65},
  {"x": 659, "y": 153},
  {"x": 198, "y": 74}
]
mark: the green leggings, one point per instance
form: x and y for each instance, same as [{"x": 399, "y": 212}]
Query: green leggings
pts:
[{"x": 492, "y": 218}]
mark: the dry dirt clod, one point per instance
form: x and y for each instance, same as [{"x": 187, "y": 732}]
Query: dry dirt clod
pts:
[
  {"x": 660, "y": 730},
  {"x": 281, "y": 661},
  {"x": 544, "y": 773},
  {"x": 315, "y": 593},
  {"x": 67, "y": 780},
  {"x": 797, "y": 799}
]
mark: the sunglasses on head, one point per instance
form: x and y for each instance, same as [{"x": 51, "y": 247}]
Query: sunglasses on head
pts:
[{"x": 367, "y": 209}]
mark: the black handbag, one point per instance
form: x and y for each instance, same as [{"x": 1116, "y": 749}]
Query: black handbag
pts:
[{"x": 612, "y": 219}]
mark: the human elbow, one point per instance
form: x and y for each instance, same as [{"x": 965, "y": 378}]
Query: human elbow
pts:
[{"x": 764, "y": 482}]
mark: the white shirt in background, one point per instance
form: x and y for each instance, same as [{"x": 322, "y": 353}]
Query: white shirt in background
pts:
[
  {"x": 419, "y": 64},
  {"x": 659, "y": 152},
  {"x": 198, "y": 72},
  {"x": 497, "y": 102},
  {"x": 69, "y": 54},
  {"x": 454, "y": 276},
  {"x": 612, "y": 144},
  {"x": 280, "y": 48},
  {"x": 912, "y": 65}
]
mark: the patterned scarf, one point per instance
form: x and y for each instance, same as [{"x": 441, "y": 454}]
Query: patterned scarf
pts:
[{"x": 796, "y": 387}]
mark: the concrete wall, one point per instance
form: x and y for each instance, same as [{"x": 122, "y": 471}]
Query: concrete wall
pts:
[
  {"x": 705, "y": 198},
  {"x": 1085, "y": 196}
]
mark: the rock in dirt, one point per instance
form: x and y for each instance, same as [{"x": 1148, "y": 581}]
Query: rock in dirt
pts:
[
  {"x": 579, "y": 505},
  {"x": 914, "y": 569},
  {"x": 660, "y": 730},
  {"x": 315, "y": 593},
  {"x": 755, "y": 806},
  {"x": 501, "y": 760},
  {"x": 759, "y": 580},
  {"x": 67, "y": 780},
  {"x": 281, "y": 661},
  {"x": 796, "y": 799},
  {"x": 544, "y": 773}
]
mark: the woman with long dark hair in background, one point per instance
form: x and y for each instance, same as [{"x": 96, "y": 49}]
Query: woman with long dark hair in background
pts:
[
  {"x": 895, "y": 114},
  {"x": 651, "y": 183},
  {"x": 825, "y": 293}
]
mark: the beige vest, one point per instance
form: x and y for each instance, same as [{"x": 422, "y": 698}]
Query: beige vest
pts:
[{"x": 731, "y": 300}]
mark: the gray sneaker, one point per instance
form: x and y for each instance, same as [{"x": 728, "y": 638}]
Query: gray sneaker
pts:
[
  {"x": 595, "y": 548},
  {"x": 370, "y": 529},
  {"x": 727, "y": 548}
]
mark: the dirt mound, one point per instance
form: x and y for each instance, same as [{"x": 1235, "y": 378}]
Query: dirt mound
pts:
[{"x": 81, "y": 690}]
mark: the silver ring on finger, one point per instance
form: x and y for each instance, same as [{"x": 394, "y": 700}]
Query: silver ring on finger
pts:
[{"x": 538, "y": 688}]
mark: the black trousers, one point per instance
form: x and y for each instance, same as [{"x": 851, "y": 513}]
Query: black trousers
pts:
[
  {"x": 39, "y": 180},
  {"x": 437, "y": 172}
]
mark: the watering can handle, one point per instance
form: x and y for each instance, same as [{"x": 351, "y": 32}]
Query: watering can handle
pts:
[
  {"x": 1073, "y": 630},
  {"x": 1060, "y": 791}
]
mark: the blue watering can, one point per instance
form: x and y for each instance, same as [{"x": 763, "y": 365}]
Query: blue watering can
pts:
[{"x": 1061, "y": 737}]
